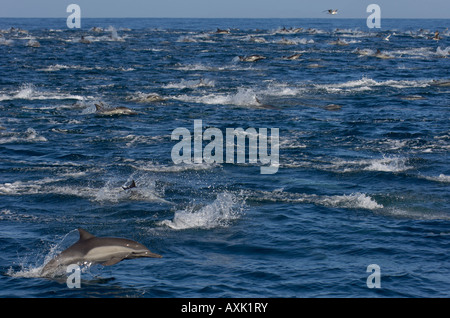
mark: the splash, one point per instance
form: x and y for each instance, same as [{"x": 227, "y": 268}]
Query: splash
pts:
[
  {"x": 443, "y": 52},
  {"x": 145, "y": 191},
  {"x": 220, "y": 213},
  {"x": 387, "y": 164},
  {"x": 243, "y": 97},
  {"x": 32, "y": 269}
]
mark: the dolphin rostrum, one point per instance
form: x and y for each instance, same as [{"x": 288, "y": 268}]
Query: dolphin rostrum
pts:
[{"x": 90, "y": 249}]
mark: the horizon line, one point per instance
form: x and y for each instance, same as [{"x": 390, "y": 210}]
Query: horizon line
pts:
[{"x": 210, "y": 18}]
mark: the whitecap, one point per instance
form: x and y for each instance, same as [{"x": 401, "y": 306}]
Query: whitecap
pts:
[
  {"x": 366, "y": 83},
  {"x": 440, "y": 178},
  {"x": 29, "y": 92},
  {"x": 443, "y": 52},
  {"x": 4, "y": 41},
  {"x": 386, "y": 164},
  {"x": 29, "y": 136},
  {"x": 191, "y": 84},
  {"x": 351, "y": 201},
  {"x": 243, "y": 97},
  {"x": 155, "y": 167},
  {"x": 348, "y": 201}
]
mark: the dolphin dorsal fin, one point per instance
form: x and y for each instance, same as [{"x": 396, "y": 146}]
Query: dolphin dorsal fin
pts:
[
  {"x": 85, "y": 235},
  {"x": 99, "y": 106}
]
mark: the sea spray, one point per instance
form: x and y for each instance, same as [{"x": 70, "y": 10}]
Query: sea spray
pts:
[{"x": 219, "y": 213}]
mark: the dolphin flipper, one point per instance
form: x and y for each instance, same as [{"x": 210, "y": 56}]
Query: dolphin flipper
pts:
[{"x": 112, "y": 261}]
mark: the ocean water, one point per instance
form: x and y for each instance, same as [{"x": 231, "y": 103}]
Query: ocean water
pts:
[{"x": 363, "y": 181}]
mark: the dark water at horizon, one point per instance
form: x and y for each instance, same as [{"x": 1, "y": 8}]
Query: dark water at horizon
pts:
[{"x": 364, "y": 182}]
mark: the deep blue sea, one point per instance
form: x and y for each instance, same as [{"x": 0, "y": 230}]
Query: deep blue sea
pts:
[{"x": 363, "y": 176}]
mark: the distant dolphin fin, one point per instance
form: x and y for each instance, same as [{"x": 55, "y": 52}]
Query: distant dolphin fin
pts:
[
  {"x": 112, "y": 261},
  {"x": 99, "y": 106},
  {"x": 132, "y": 185},
  {"x": 85, "y": 235}
]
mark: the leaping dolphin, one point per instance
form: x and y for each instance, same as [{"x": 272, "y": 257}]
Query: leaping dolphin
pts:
[{"x": 90, "y": 249}]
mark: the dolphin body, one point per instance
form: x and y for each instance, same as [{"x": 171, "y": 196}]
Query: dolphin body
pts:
[
  {"x": 90, "y": 249},
  {"x": 101, "y": 110},
  {"x": 251, "y": 58},
  {"x": 441, "y": 83},
  {"x": 292, "y": 57}
]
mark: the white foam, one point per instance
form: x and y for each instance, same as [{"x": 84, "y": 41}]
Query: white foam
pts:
[
  {"x": 191, "y": 84},
  {"x": 387, "y": 164},
  {"x": 347, "y": 201},
  {"x": 29, "y": 136},
  {"x": 443, "y": 52},
  {"x": 114, "y": 36},
  {"x": 212, "y": 68},
  {"x": 25, "y": 187},
  {"x": 366, "y": 83},
  {"x": 196, "y": 38},
  {"x": 155, "y": 167},
  {"x": 29, "y": 92},
  {"x": 394, "y": 164},
  {"x": 110, "y": 192},
  {"x": 352, "y": 201},
  {"x": 4, "y": 41},
  {"x": 58, "y": 67},
  {"x": 441, "y": 178},
  {"x": 226, "y": 208},
  {"x": 295, "y": 41},
  {"x": 416, "y": 215},
  {"x": 243, "y": 97},
  {"x": 145, "y": 191},
  {"x": 30, "y": 269}
]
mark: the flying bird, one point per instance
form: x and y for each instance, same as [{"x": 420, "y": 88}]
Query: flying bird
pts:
[{"x": 331, "y": 11}]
